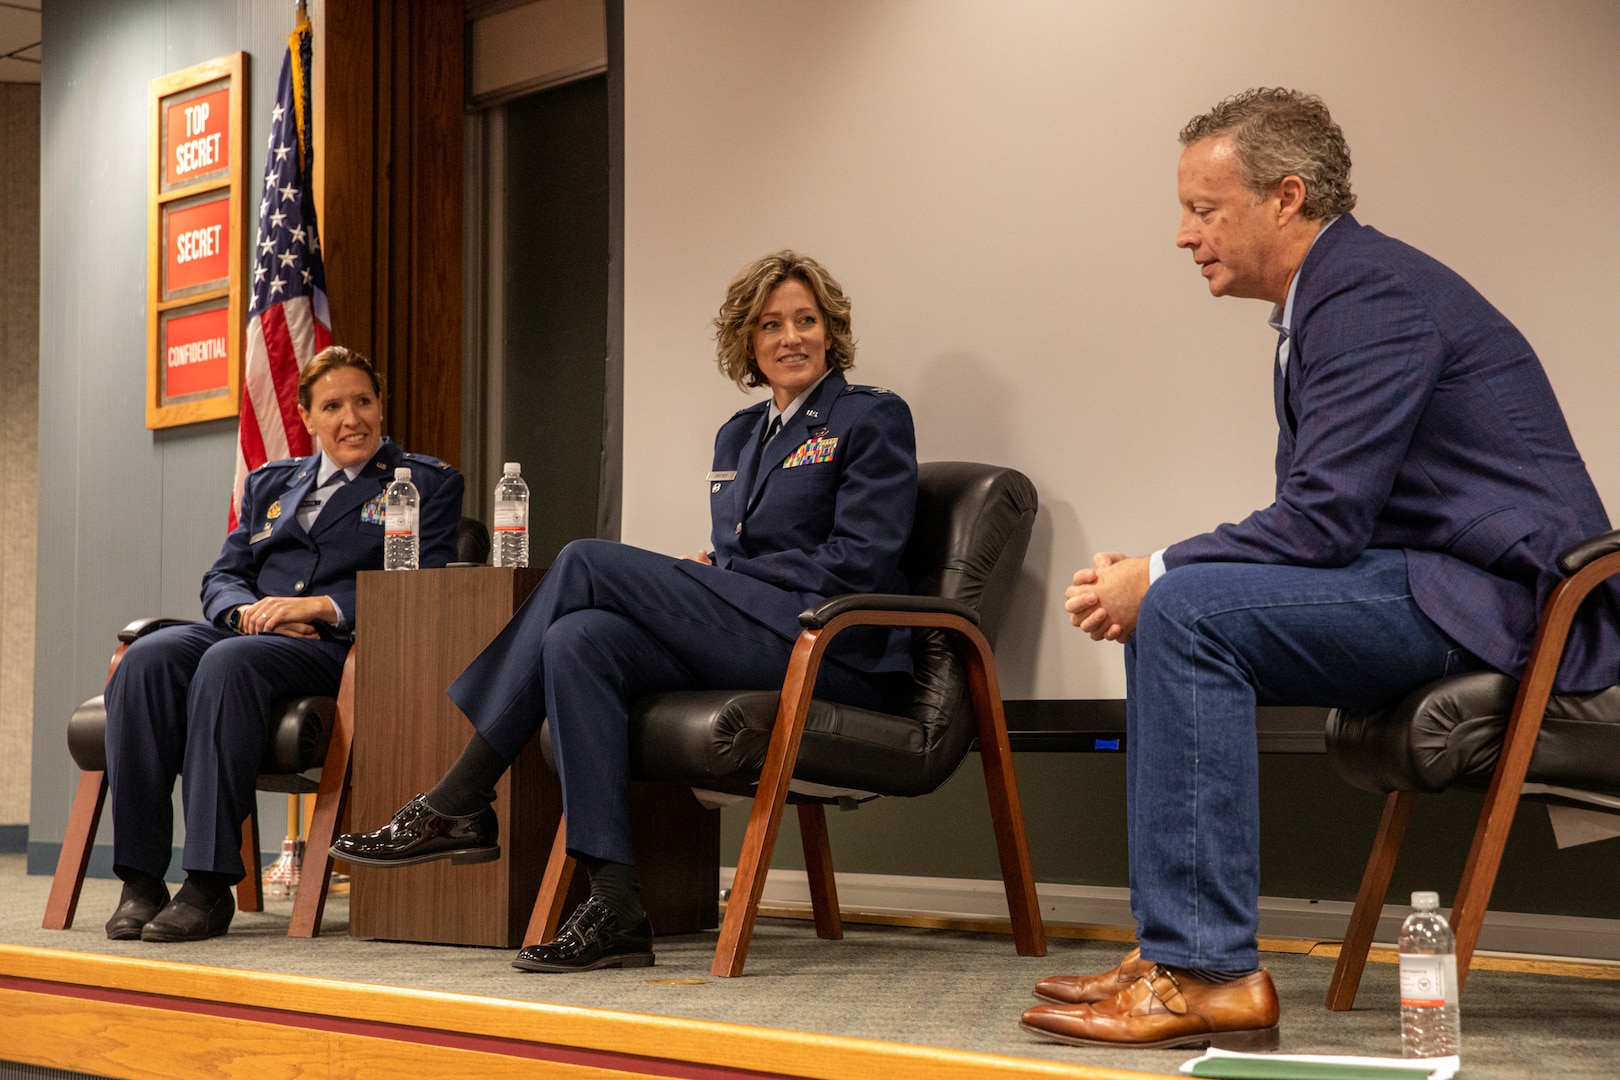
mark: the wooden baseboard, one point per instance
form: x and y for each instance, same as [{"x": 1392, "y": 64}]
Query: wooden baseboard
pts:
[{"x": 153, "y": 1020}]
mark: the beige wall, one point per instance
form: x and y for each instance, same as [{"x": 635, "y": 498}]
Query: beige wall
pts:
[
  {"x": 994, "y": 183},
  {"x": 19, "y": 431}
]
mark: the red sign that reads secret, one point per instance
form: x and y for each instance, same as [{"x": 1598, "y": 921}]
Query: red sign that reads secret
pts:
[
  {"x": 198, "y": 142},
  {"x": 197, "y": 245},
  {"x": 195, "y": 352}
]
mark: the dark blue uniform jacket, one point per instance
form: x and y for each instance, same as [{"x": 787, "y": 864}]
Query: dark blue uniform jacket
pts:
[
  {"x": 270, "y": 554},
  {"x": 827, "y": 511}
]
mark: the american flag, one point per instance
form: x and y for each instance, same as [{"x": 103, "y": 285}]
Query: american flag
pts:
[{"x": 288, "y": 320}]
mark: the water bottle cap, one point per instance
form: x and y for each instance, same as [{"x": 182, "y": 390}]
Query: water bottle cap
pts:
[
  {"x": 511, "y": 469},
  {"x": 402, "y": 473},
  {"x": 1425, "y": 901}
]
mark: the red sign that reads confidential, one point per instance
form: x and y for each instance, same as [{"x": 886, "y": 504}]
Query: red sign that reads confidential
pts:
[
  {"x": 195, "y": 352},
  {"x": 198, "y": 142},
  {"x": 197, "y": 245}
]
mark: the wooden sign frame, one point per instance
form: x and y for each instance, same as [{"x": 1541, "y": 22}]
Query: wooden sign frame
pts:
[{"x": 196, "y": 163}]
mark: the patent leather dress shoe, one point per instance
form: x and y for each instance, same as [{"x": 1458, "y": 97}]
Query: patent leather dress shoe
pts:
[
  {"x": 593, "y": 937},
  {"x": 1089, "y": 989},
  {"x": 1166, "y": 1008},
  {"x": 183, "y": 920},
  {"x": 133, "y": 913},
  {"x": 420, "y": 834}
]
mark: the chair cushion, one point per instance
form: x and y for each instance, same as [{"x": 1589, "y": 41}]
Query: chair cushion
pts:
[
  {"x": 718, "y": 740},
  {"x": 1450, "y": 732},
  {"x": 293, "y": 754}
]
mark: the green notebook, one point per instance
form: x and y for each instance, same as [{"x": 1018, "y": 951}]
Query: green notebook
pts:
[{"x": 1231, "y": 1066}]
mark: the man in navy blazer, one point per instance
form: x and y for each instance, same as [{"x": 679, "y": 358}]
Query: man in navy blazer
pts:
[
  {"x": 1426, "y": 482},
  {"x": 195, "y": 699}
]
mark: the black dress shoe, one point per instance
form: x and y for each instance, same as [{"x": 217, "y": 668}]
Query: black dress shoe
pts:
[
  {"x": 420, "y": 834},
  {"x": 190, "y": 916},
  {"x": 593, "y": 937},
  {"x": 134, "y": 911}
]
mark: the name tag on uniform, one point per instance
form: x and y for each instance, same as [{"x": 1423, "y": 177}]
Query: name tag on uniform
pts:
[
  {"x": 730, "y": 475},
  {"x": 262, "y": 534},
  {"x": 814, "y": 452},
  {"x": 372, "y": 513}
]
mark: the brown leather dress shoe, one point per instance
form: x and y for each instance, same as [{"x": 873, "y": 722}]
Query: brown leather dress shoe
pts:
[
  {"x": 1166, "y": 1008},
  {"x": 1088, "y": 989}
]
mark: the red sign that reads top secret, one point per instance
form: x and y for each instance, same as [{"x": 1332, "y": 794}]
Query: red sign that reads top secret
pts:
[
  {"x": 198, "y": 142},
  {"x": 197, "y": 245}
]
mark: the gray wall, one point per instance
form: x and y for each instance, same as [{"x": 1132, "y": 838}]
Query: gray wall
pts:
[
  {"x": 19, "y": 429},
  {"x": 128, "y": 518}
]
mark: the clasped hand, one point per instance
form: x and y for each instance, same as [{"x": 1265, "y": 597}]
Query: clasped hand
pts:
[
  {"x": 293, "y": 616},
  {"x": 1106, "y": 596}
]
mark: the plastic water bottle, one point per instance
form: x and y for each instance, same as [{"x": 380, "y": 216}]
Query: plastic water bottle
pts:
[
  {"x": 1430, "y": 1025},
  {"x": 401, "y": 530},
  {"x": 511, "y": 518}
]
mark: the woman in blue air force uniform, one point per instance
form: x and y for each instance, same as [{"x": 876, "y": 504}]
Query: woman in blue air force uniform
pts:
[
  {"x": 194, "y": 700},
  {"x": 812, "y": 494}
]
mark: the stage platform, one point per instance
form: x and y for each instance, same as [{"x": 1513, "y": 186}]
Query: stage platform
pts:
[{"x": 889, "y": 1001}]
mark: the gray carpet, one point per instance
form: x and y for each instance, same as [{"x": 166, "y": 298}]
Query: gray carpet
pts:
[{"x": 927, "y": 987}]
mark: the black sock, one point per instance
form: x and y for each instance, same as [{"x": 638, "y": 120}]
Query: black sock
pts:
[
  {"x": 469, "y": 786},
  {"x": 204, "y": 888},
  {"x": 617, "y": 886},
  {"x": 143, "y": 886},
  {"x": 1213, "y": 975}
]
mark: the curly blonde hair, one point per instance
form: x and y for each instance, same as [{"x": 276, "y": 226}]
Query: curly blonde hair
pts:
[{"x": 745, "y": 298}]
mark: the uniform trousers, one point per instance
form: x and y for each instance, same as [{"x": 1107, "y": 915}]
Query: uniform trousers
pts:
[
  {"x": 1212, "y": 641},
  {"x": 196, "y": 701},
  {"x": 608, "y": 624}
]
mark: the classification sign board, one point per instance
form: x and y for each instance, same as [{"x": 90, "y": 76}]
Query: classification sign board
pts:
[{"x": 195, "y": 237}]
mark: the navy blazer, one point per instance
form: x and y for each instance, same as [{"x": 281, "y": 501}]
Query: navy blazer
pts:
[
  {"x": 270, "y": 554},
  {"x": 827, "y": 511},
  {"x": 1412, "y": 415}
]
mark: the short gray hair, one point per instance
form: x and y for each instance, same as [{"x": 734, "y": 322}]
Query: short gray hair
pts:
[{"x": 1278, "y": 133}]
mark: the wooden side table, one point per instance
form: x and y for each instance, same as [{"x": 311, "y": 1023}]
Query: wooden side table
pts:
[{"x": 419, "y": 629}]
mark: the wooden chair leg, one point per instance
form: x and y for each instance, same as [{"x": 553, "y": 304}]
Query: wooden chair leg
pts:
[
  {"x": 74, "y": 859},
  {"x": 819, "y": 869},
  {"x": 1006, "y": 813},
  {"x": 770, "y": 800},
  {"x": 250, "y": 890},
  {"x": 1358, "y": 936},
  {"x": 330, "y": 799},
  {"x": 547, "y": 914},
  {"x": 1496, "y": 821}
]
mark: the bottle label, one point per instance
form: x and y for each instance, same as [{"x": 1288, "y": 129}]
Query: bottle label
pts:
[
  {"x": 401, "y": 521},
  {"x": 1428, "y": 982},
  {"x": 511, "y": 515}
]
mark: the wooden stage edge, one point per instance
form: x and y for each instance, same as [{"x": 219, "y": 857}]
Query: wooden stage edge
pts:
[{"x": 156, "y": 1020}]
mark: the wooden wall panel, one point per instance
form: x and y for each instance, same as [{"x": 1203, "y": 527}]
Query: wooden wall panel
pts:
[{"x": 394, "y": 82}]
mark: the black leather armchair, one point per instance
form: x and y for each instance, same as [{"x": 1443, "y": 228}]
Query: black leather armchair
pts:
[
  {"x": 1481, "y": 730},
  {"x": 308, "y": 753},
  {"x": 972, "y": 528}
]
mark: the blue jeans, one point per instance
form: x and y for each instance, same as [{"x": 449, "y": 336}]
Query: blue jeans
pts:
[{"x": 1212, "y": 641}]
